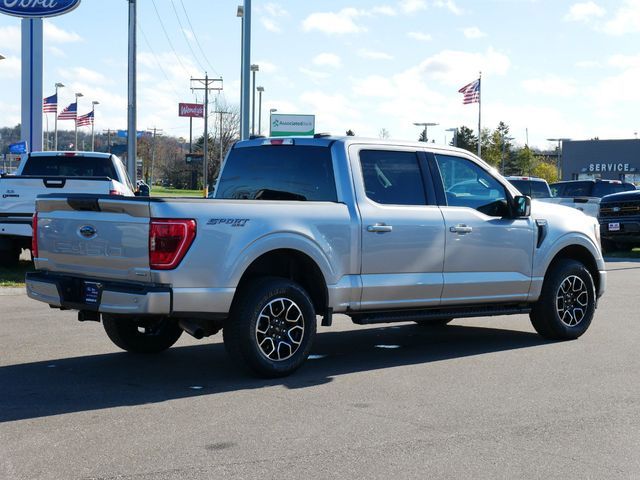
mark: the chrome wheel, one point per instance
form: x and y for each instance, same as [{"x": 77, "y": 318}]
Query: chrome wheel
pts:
[
  {"x": 280, "y": 329},
  {"x": 572, "y": 301}
]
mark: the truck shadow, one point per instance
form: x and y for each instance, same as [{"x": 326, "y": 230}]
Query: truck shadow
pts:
[{"x": 78, "y": 384}]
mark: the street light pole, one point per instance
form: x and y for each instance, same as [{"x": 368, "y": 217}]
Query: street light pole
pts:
[
  {"x": 260, "y": 90},
  {"x": 425, "y": 125},
  {"x": 455, "y": 135},
  {"x": 93, "y": 121},
  {"x": 132, "y": 146},
  {"x": 55, "y": 120},
  {"x": 78, "y": 95},
  {"x": 271, "y": 111},
  {"x": 559, "y": 140},
  {"x": 254, "y": 68},
  {"x": 244, "y": 11}
]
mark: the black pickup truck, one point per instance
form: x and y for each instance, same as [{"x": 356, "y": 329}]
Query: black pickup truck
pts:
[{"x": 619, "y": 219}]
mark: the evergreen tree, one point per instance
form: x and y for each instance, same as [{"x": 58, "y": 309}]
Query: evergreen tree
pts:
[{"x": 467, "y": 140}]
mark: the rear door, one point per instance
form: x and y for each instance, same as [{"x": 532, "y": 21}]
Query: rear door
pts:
[
  {"x": 488, "y": 256},
  {"x": 94, "y": 236},
  {"x": 402, "y": 228}
]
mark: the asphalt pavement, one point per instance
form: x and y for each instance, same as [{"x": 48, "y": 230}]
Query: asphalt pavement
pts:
[{"x": 479, "y": 398}]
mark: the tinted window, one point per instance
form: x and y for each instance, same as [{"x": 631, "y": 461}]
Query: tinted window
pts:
[
  {"x": 279, "y": 172},
  {"x": 601, "y": 189},
  {"x": 468, "y": 185},
  {"x": 392, "y": 178},
  {"x": 524, "y": 186},
  {"x": 576, "y": 189},
  {"x": 76, "y": 166},
  {"x": 539, "y": 190}
]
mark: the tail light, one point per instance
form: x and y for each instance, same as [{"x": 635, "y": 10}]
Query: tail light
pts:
[
  {"x": 169, "y": 241},
  {"x": 34, "y": 236}
]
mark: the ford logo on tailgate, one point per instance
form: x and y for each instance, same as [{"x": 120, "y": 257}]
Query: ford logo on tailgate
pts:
[
  {"x": 37, "y": 8},
  {"x": 87, "y": 231}
]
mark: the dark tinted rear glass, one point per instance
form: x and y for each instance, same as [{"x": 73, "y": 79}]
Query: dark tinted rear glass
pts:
[
  {"x": 605, "y": 188},
  {"x": 523, "y": 185},
  {"x": 282, "y": 172},
  {"x": 77, "y": 166},
  {"x": 540, "y": 190}
]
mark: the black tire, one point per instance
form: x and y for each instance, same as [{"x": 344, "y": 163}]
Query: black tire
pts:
[
  {"x": 141, "y": 334},
  {"x": 568, "y": 301},
  {"x": 440, "y": 322},
  {"x": 258, "y": 333}
]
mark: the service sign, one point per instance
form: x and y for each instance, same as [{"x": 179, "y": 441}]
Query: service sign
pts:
[
  {"x": 292, "y": 125},
  {"x": 37, "y": 8},
  {"x": 191, "y": 110}
]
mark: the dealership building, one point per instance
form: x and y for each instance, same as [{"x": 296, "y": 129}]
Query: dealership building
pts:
[{"x": 606, "y": 159}]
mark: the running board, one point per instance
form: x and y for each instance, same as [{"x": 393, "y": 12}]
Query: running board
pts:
[{"x": 366, "y": 318}]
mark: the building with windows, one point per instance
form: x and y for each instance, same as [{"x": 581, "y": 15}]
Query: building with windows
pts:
[{"x": 606, "y": 159}]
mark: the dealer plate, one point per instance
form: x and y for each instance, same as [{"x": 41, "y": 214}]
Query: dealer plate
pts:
[
  {"x": 614, "y": 227},
  {"x": 91, "y": 292}
]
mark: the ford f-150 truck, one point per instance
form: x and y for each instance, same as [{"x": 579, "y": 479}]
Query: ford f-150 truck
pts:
[
  {"x": 378, "y": 230},
  {"x": 45, "y": 172},
  {"x": 585, "y": 195}
]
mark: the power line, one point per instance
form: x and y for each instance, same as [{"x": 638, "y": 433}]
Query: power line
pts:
[
  {"x": 198, "y": 41},
  {"x": 184, "y": 33},
  {"x": 167, "y": 35},
  {"x": 144, "y": 36}
]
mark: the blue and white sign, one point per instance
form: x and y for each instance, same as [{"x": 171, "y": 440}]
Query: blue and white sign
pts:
[
  {"x": 37, "y": 8},
  {"x": 20, "y": 147}
]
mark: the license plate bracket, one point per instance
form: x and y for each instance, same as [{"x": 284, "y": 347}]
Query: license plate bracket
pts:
[
  {"x": 91, "y": 293},
  {"x": 614, "y": 226}
]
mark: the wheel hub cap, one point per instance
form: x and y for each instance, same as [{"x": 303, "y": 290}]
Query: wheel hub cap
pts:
[
  {"x": 572, "y": 300},
  {"x": 280, "y": 329}
]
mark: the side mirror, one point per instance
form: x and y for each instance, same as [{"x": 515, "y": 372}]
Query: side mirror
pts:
[
  {"x": 143, "y": 191},
  {"x": 522, "y": 206}
]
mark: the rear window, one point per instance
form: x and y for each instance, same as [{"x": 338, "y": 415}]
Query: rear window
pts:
[
  {"x": 77, "y": 166},
  {"x": 278, "y": 172},
  {"x": 605, "y": 188},
  {"x": 524, "y": 186}
]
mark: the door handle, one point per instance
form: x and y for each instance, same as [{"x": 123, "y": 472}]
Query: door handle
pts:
[
  {"x": 379, "y": 228},
  {"x": 461, "y": 228}
]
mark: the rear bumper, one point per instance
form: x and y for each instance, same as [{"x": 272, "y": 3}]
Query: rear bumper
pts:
[{"x": 126, "y": 298}]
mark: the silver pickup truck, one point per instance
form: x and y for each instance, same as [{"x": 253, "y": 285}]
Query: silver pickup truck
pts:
[{"x": 381, "y": 231}]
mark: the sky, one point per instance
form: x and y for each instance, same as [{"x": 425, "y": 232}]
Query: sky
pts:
[{"x": 549, "y": 68}]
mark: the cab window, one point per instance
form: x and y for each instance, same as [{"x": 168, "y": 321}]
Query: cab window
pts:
[{"x": 392, "y": 177}]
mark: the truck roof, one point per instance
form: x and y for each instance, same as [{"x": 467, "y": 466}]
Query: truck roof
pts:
[{"x": 76, "y": 153}]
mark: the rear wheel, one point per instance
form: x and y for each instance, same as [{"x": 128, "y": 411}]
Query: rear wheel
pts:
[
  {"x": 141, "y": 334},
  {"x": 271, "y": 327},
  {"x": 566, "y": 306}
]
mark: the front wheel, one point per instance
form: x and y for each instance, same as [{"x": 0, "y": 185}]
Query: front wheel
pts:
[
  {"x": 567, "y": 304},
  {"x": 141, "y": 334},
  {"x": 271, "y": 327}
]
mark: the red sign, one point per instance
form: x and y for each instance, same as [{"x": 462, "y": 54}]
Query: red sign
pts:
[{"x": 191, "y": 110}]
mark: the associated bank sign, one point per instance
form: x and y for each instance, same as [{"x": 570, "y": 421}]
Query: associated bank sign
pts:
[
  {"x": 37, "y": 8},
  {"x": 289, "y": 125}
]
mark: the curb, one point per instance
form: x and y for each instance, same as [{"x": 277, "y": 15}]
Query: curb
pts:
[{"x": 6, "y": 291}]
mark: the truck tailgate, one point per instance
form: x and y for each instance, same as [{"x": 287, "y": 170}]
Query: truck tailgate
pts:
[{"x": 94, "y": 236}]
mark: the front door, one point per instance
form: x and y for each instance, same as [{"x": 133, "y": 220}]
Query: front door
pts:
[{"x": 488, "y": 256}]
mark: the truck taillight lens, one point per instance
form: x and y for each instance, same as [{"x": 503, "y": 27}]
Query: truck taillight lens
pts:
[
  {"x": 34, "y": 236},
  {"x": 169, "y": 241}
]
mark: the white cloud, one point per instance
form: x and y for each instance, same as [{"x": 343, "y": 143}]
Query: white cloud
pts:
[
  {"x": 275, "y": 10},
  {"x": 588, "y": 64},
  {"x": 334, "y": 112},
  {"x": 59, "y": 35},
  {"x": 10, "y": 68},
  {"x": 625, "y": 20},
  {"x": 271, "y": 14},
  {"x": 334, "y": 23},
  {"x": 327, "y": 59},
  {"x": 412, "y": 6},
  {"x": 267, "y": 67},
  {"x": 10, "y": 38},
  {"x": 455, "y": 67},
  {"x": 449, "y": 5},
  {"x": 551, "y": 85},
  {"x": 423, "y": 37},
  {"x": 625, "y": 61},
  {"x": 473, "y": 33},
  {"x": 58, "y": 52},
  {"x": 373, "y": 55},
  {"x": 584, "y": 12},
  {"x": 270, "y": 25},
  {"x": 314, "y": 75},
  {"x": 384, "y": 10}
]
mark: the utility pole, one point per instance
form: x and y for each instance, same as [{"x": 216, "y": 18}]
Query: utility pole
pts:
[
  {"x": 156, "y": 131},
  {"x": 108, "y": 131},
  {"x": 206, "y": 84},
  {"x": 132, "y": 148}
]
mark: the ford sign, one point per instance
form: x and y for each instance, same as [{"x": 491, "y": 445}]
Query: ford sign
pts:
[{"x": 37, "y": 8}]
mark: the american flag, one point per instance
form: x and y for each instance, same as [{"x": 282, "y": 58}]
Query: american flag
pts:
[
  {"x": 69, "y": 113},
  {"x": 84, "y": 120},
  {"x": 471, "y": 92},
  {"x": 50, "y": 104}
]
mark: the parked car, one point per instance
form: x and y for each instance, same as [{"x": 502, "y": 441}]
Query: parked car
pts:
[
  {"x": 585, "y": 195},
  {"x": 534, "y": 187},
  {"x": 41, "y": 173},
  {"x": 301, "y": 227},
  {"x": 620, "y": 221}
]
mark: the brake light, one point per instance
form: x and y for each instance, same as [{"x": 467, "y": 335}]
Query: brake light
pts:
[
  {"x": 169, "y": 241},
  {"x": 278, "y": 141},
  {"x": 34, "y": 236},
  {"x": 115, "y": 192}
]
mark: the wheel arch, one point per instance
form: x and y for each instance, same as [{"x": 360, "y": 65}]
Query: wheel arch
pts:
[{"x": 581, "y": 254}]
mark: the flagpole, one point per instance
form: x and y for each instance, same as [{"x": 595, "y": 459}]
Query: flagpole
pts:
[
  {"x": 93, "y": 121},
  {"x": 55, "y": 144},
  {"x": 480, "y": 114},
  {"x": 75, "y": 120}
]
